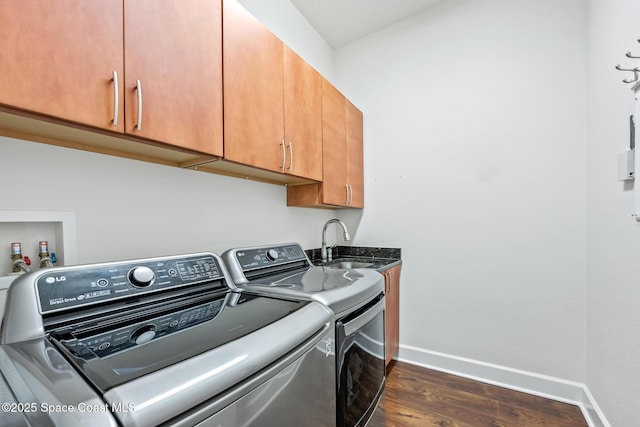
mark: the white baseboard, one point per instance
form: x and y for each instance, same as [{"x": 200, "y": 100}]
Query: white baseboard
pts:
[{"x": 537, "y": 384}]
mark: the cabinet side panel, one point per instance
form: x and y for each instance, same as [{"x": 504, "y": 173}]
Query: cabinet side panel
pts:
[{"x": 304, "y": 195}]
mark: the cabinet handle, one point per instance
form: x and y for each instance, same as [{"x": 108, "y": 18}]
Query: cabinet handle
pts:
[
  {"x": 290, "y": 156},
  {"x": 350, "y": 194},
  {"x": 139, "y": 89},
  {"x": 116, "y": 100},
  {"x": 346, "y": 186},
  {"x": 284, "y": 155}
]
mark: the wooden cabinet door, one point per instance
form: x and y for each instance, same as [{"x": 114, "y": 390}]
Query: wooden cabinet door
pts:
[
  {"x": 392, "y": 312},
  {"x": 334, "y": 179},
  {"x": 302, "y": 117},
  {"x": 174, "y": 49},
  {"x": 355, "y": 160},
  {"x": 342, "y": 156},
  {"x": 253, "y": 91},
  {"x": 59, "y": 58}
]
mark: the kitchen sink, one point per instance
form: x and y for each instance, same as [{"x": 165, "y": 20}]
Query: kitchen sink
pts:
[{"x": 348, "y": 264}]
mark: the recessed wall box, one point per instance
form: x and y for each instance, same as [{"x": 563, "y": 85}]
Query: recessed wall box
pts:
[{"x": 626, "y": 167}]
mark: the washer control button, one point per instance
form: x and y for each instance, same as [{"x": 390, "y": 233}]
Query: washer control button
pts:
[
  {"x": 272, "y": 255},
  {"x": 141, "y": 276},
  {"x": 144, "y": 334}
]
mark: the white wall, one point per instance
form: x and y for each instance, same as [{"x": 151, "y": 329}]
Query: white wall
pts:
[
  {"x": 128, "y": 209},
  {"x": 475, "y": 130},
  {"x": 613, "y": 350}
]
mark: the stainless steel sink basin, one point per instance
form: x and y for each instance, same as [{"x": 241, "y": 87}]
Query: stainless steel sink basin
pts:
[{"x": 348, "y": 264}]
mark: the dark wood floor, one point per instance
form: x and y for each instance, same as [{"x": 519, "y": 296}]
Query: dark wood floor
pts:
[{"x": 416, "y": 396}]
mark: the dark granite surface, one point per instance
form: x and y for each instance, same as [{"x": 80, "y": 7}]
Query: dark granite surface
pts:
[{"x": 379, "y": 258}]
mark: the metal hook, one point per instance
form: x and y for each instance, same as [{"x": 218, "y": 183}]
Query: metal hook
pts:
[
  {"x": 635, "y": 71},
  {"x": 619, "y": 68},
  {"x": 628, "y": 55}
]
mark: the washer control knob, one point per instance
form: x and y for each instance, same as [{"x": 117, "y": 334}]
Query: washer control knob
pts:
[
  {"x": 144, "y": 334},
  {"x": 272, "y": 255},
  {"x": 141, "y": 276}
]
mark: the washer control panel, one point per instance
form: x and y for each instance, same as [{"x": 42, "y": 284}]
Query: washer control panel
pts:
[
  {"x": 140, "y": 333},
  {"x": 254, "y": 258},
  {"x": 72, "y": 287}
]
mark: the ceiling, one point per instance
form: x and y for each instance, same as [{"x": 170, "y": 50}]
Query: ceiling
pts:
[{"x": 342, "y": 21}]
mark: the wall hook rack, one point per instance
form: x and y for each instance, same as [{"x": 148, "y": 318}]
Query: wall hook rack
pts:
[
  {"x": 629, "y": 55},
  {"x": 635, "y": 71}
]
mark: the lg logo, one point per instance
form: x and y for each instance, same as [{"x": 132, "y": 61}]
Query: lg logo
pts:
[{"x": 51, "y": 280}]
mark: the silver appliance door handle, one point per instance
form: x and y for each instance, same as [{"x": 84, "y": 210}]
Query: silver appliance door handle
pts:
[
  {"x": 290, "y": 156},
  {"x": 116, "y": 99},
  {"x": 139, "y": 89},
  {"x": 284, "y": 155},
  {"x": 364, "y": 318}
]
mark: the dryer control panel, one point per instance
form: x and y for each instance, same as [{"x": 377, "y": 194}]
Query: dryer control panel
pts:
[{"x": 255, "y": 258}]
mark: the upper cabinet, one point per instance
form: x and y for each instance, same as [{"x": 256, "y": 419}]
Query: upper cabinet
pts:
[
  {"x": 68, "y": 62},
  {"x": 60, "y": 60},
  {"x": 302, "y": 117},
  {"x": 335, "y": 190},
  {"x": 343, "y": 174},
  {"x": 150, "y": 80},
  {"x": 355, "y": 160},
  {"x": 173, "y": 72},
  {"x": 272, "y": 100},
  {"x": 253, "y": 91}
]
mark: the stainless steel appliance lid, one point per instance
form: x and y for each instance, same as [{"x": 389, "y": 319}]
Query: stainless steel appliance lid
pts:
[
  {"x": 142, "y": 345},
  {"x": 284, "y": 269},
  {"x": 311, "y": 279},
  {"x": 159, "y": 396}
]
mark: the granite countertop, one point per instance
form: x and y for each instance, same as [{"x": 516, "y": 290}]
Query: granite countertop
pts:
[{"x": 380, "y": 258}]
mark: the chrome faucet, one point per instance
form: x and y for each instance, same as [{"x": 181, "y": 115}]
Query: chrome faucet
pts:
[{"x": 323, "y": 249}]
